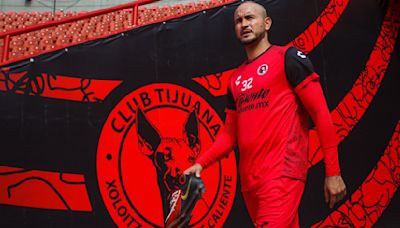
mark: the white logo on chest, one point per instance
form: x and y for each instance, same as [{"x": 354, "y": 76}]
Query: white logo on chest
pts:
[
  {"x": 262, "y": 70},
  {"x": 301, "y": 55},
  {"x": 237, "y": 82}
]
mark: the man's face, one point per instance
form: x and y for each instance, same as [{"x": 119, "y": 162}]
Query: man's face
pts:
[{"x": 251, "y": 23}]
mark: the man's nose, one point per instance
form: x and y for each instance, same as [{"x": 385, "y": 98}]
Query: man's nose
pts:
[{"x": 245, "y": 24}]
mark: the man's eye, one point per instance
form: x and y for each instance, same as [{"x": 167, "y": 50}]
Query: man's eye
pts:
[{"x": 249, "y": 17}]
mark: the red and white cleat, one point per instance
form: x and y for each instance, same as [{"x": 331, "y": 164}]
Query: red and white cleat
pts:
[{"x": 182, "y": 202}]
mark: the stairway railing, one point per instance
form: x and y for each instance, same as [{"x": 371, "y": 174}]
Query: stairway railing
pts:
[{"x": 6, "y": 36}]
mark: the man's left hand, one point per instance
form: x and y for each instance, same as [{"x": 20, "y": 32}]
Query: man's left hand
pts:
[{"x": 334, "y": 189}]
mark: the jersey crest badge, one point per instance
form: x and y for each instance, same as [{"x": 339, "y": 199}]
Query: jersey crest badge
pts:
[{"x": 262, "y": 69}]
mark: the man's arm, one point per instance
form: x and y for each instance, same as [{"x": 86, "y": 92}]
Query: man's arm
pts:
[
  {"x": 301, "y": 76},
  {"x": 312, "y": 97},
  {"x": 224, "y": 143}
]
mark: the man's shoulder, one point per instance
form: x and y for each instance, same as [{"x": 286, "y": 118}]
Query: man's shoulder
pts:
[
  {"x": 237, "y": 72},
  {"x": 276, "y": 50},
  {"x": 239, "y": 69},
  {"x": 283, "y": 49}
]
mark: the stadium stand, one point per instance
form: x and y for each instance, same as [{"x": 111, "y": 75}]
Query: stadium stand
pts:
[{"x": 33, "y": 43}]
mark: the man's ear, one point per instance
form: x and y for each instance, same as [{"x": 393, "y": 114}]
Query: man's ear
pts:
[
  {"x": 268, "y": 23},
  {"x": 148, "y": 137}
]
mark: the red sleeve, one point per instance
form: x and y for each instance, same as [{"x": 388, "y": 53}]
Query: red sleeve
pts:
[
  {"x": 224, "y": 143},
  {"x": 312, "y": 97}
]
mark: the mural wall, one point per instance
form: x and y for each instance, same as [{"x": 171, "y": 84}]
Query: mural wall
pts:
[{"x": 98, "y": 134}]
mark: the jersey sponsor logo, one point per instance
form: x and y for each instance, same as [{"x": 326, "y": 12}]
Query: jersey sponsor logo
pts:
[
  {"x": 253, "y": 100},
  {"x": 149, "y": 138},
  {"x": 262, "y": 69},
  {"x": 301, "y": 55}
]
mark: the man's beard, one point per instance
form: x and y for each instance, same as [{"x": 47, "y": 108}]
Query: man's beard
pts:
[{"x": 255, "y": 39}]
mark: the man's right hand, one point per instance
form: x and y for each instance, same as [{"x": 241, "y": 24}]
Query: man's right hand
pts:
[{"x": 196, "y": 169}]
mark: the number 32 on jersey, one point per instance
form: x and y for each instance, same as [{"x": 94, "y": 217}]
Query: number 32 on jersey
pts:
[{"x": 246, "y": 84}]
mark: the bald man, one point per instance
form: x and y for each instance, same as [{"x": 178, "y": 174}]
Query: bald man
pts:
[{"x": 270, "y": 99}]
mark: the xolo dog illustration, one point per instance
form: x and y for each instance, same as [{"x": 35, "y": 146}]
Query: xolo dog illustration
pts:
[{"x": 170, "y": 155}]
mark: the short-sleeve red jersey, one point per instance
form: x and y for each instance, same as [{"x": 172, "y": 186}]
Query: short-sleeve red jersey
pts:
[{"x": 272, "y": 123}]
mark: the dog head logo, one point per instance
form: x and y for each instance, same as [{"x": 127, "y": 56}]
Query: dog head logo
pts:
[
  {"x": 169, "y": 155},
  {"x": 149, "y": 138}
]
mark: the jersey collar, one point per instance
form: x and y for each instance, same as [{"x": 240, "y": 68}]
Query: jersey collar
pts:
[{"x": 262, "y": 53}]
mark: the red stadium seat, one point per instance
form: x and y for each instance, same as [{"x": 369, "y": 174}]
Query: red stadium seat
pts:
[{"x": 79, "y": 31}]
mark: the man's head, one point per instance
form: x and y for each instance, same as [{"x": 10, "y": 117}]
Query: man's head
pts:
[{"x": 251, "y": 22}]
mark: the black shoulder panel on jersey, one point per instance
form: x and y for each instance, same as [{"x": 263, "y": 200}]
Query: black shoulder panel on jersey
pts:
[{"x": 297, "y": 66}]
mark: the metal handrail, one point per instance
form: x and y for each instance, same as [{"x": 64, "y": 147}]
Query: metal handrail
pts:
[{"x": 134, "y": 5}]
